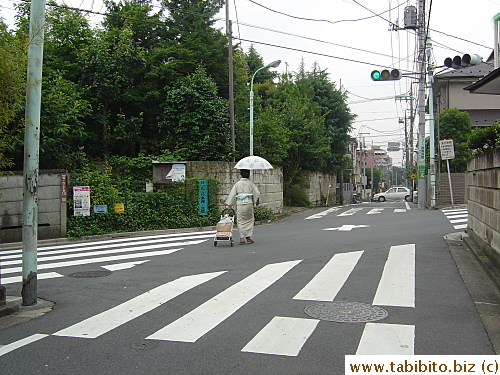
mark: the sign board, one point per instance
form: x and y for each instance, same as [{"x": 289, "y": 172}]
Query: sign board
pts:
[
  {"x": 203, "y": 197},
  {"x": 177, "y": 173},
  {"x": 81, "y": 201},
  {"x": 393, "y": 144},
  {"x": 119, "y": 208},
  {"x": 447, "y": 149},
  {"x": 421, "y": 172},
  {"x": 413, "y": 176},
  {"x": 100, "y": 208}
]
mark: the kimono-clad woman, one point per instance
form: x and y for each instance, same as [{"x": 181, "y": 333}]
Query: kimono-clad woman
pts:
[{"x": 244, "y": 195}]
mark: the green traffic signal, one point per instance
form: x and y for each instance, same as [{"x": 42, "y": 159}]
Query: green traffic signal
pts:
[{"x": 386, "y": 75}]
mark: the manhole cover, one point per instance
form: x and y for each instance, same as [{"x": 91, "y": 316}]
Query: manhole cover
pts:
[
  {"x": 89, "y": 274},
  {"x": 350, "y": 312}
]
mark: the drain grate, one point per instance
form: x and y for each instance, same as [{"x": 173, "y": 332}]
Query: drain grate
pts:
[
  {"x": 89, "y": 274},
  {"x": 345, "y": 312}
]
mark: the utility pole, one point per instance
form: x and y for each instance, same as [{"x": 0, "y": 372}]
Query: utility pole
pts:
[
  {"x": 432, "y": 147},
  {"x": 421, "y": 107},
  {"x": 231, "y": 78},
  {"x": 31, "y": 152}
]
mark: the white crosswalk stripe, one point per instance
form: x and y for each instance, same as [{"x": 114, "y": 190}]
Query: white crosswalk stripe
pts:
[
  {"x": 132, "y": 250},
  {"x": 350, "y": 211},
  {"x": 283, "y": 336},
  {"x": 457, "y": 217}
]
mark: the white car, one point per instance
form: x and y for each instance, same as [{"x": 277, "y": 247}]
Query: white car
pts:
[{"x": 394, "y": 193}]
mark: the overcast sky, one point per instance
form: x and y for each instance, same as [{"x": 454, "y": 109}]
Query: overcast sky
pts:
[{"x": 346, "y": 38}]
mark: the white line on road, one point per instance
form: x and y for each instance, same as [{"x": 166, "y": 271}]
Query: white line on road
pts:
[
  {"x": 350, "y": 212},
  {"x": 374, "y": 211},
  {"x": 397, "y": 284},
  {"x": 327, "y": 283},
  {"x": 205, "y": 317},
  {"x": 106, "y": 321},
  {"x": 387, "y": 339},
  {"x": 460, "y": 226},
  {"x": 282, "y": 336},
  {"x": 459, "y": 221},
  {"x": 20, "y": 343},
  {"x": 78, "y": 262},
  {"x": 40, "y": 276}
]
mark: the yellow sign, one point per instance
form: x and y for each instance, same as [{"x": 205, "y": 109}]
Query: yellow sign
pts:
[
  {"x": 119, "y": 208},
  {"x": 413, "y": 176}
]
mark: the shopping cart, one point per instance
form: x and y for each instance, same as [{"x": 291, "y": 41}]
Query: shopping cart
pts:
[{"x": 224, "y": 228}]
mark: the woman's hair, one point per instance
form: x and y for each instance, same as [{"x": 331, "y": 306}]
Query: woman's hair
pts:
[{"x": 245, "y": 173}]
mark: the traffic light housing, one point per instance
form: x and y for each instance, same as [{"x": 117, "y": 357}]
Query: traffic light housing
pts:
[
  {"x": 386, "y": 75},
  {"x": 463, "y": 61}
]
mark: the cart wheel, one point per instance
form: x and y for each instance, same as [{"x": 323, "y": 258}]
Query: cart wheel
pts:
[
  {"x": 231, "y": 243},
  {"x": 215, "y": 243}
]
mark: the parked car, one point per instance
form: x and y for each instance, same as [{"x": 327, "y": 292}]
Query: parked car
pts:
[{"x": 393, "y": 193}]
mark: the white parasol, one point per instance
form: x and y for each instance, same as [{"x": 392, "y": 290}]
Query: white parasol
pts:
[{"x": 253, "y": 162}]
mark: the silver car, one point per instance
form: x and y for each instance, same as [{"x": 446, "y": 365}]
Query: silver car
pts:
[{"x": 394, "y": 193}]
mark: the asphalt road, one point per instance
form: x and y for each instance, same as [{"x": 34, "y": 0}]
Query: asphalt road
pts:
[{"x": 179, "y": 305}]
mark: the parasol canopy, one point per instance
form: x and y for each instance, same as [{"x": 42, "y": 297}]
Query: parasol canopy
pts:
[{"x": 253, "y": 162}]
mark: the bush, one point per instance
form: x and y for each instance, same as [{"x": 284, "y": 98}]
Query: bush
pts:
[{"x": 262, "y": 213}]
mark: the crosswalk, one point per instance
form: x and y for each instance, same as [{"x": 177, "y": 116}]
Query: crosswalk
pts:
[
  {"x": 350, "y": 211},
  {"x": 457, "y": 217},
  {"x": 281, "y": 335},
  {"x": 113, "y": 254}
]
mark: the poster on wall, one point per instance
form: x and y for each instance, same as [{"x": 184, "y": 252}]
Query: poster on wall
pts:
[
  {"x": 81, "y": 201},
  {"x": 177, "y": 173}
]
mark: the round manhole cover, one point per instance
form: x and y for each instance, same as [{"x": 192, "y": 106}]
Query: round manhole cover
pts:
[
  {"x": 350, "y": 312},
  {"x": 89, "y": 274}
]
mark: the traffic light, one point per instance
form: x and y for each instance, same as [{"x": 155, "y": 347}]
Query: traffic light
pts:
[
  {"x": 460, "y": 62},
  {"x": 386, "y": 75}
]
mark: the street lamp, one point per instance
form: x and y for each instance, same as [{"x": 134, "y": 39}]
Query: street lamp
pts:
[{"x": 274, "y": 64}]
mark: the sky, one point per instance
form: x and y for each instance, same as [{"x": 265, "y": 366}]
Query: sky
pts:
[{"x": 349, "y": 39}]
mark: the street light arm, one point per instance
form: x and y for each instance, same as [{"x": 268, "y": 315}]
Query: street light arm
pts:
[{"x": 274, "y": 64}]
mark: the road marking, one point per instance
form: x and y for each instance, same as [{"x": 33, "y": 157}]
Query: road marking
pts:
[
  {"x": 326, "y": 284},
  {"x": 207, "y": 316},
  {"x": 282, "y": 336},
  {"x": 457, "y": 216},
  {"x": 351, "y": 212},
  {"x": 407, "y": 206},
  {"x": 101, "y": 252},
  {"x": 123, "y": 266},
  {"x": 400, "y": 210},
  {"x": 447, "y": 212},
  {"x": 322, "y": 213},
  {"x": 461, "y": 226},
  {"x": 110, "y": 319},
  {"x": 397, "y": 284},
  {"x": 374, "y": 211},
  {"x": 94, "y": 260},
  {"x": 20, "y": 343},
  {"x": 40, "y": 276},
  {"x": 464, "y": 220},
  {"x": 347, "y": 228},
  {"x": 387, "y": 339},
  {"x": 107, "y": 244}
]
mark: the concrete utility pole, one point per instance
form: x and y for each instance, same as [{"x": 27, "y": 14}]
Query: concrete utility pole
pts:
[
  {"x": 231, "y": 77},
  {"x": 421, "y": 107},
  {"x": 31, "y": 152},
  {"x": 432, "y": 147}
]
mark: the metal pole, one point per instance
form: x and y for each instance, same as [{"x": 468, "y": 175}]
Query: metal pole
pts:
[
  {"x": 449, "y": 179},
  {"x": 421, "y": 109},
  {"x": 31, "y": 152}
]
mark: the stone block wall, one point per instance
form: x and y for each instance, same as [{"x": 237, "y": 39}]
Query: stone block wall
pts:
[
  {"x": 318, "y": 186},
  {"x": 51, "y": 207},
  {"x": 483, "y": 182},
  {"x": 269, "y": 182}
]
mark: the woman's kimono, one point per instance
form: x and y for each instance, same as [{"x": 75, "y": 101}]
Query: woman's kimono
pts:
[{"x": 243, "y": 195}]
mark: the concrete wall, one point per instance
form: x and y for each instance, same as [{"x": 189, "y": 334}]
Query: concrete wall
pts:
[
  {"x": 318, "y": 186},
  {"x": 483, "y": 182},
  {"x": 51, "y": 207}
]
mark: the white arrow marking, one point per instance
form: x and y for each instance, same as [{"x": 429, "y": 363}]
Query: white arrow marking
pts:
[
  {"x": 347, "y": 228},
  {"x": 123, "y": 266}
]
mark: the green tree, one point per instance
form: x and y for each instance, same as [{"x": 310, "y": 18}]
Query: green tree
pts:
[
  {"x": 12, "y": 92},
  {"x": 456, "y": 125},
  {"x": 484, "y": 139},
  {"x": 195, "y": 122}
]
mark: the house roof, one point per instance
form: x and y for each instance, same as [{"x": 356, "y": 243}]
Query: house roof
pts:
[{"x": 490, "y": 84}]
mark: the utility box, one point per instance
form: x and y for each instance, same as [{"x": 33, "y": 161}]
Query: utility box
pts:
[{"x": 410, "y": 18}]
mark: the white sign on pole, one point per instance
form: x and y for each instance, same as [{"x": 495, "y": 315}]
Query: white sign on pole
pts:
[
  {"x": 447, "y": 149},
  {"x": 81, "y": 201}
]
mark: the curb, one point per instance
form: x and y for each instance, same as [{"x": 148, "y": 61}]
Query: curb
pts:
[{"x": 481, "y": 280}]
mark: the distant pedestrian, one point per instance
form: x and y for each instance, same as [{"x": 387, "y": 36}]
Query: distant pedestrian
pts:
[{"x": 243, "y": 196}]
